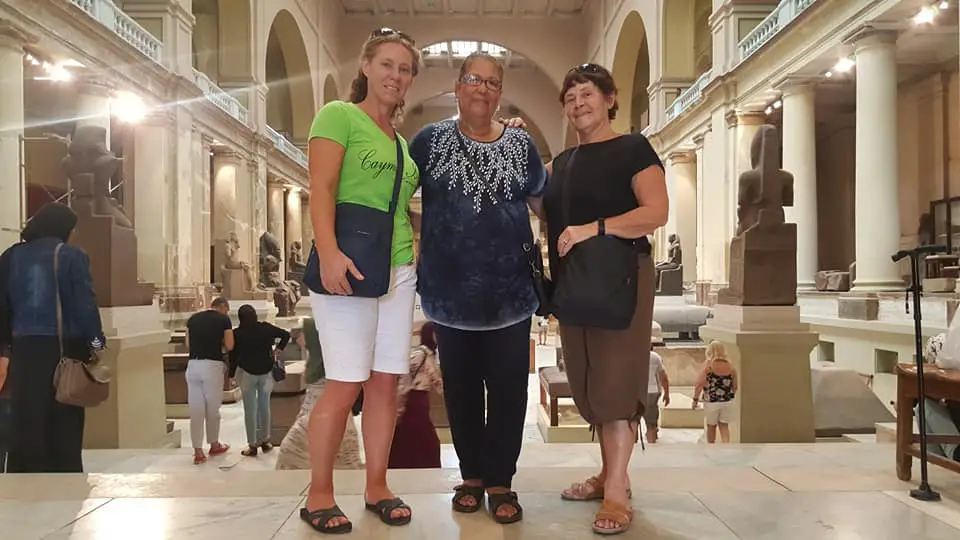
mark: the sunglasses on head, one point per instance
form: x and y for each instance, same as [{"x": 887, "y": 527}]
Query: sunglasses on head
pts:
[
  {"x": 387, "y": 32},
  {"x": 589, "y": 68}
]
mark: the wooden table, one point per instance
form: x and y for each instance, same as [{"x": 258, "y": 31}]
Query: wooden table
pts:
[
  {"x": 938, "y": 384},
  {"x": 936, "y": 264}
]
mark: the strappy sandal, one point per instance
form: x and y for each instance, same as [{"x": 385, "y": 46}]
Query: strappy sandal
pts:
[
  {"x": 615, "y": 512},
  {"x": 384, "y": 510},
  {"x": 463, "y": 491},
  {"x": 496, "y": 500},
  {"x": 199, "y": 459},
  {"x": 319, "y": 520},
  {"x": 219, "y": 450},
  {"x": 266, "y": 447},
  {"x": 250, "y": 451},
  {"x": 594, "y": 494}
]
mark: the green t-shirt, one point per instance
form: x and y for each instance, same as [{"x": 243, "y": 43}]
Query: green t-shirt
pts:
[{"x": 369, "y": 168}]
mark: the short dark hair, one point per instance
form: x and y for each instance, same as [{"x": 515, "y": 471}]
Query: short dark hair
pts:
[
  {"x": 219, "y": 302},
  {"x": 596, "y": 74}
]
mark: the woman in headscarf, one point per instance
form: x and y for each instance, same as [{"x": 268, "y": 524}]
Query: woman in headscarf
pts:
[{"x": 36, "y": 275}]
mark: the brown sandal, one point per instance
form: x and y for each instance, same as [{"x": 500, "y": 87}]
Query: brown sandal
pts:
[
  {"x": 580, "y": 492},
  {"x": 615, "y": 512}
]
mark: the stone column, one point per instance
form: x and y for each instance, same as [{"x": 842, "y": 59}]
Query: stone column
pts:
[
  {"x": 226, "y": 170},
  {"x": 294, "y": 220},
  {"x": 684, "y": 203},
  {"x": 307, "y": 224},
  {"x": 153, "y": 145},
  {"x": 700, "y": 162},
  {"x": 800, "y": 159},
  {"x": 12, "y": 191},
  {"x": 93, "y": 104},
  {"x": 276, "y": 217},
  {"x": 877, "y": 183}
]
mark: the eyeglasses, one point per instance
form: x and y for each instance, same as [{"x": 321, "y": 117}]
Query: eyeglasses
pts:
[
  {"x": 472, "y": 79},
  {"x": 589, "y": 68},
  {"x": 387, "y": 32}
]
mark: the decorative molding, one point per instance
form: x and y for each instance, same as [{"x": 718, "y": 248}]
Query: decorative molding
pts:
[
  {"x": 793, "y": 84},
  {"x": 682, "y": 157},
  {"x": 14, "y": 37},
  {"x": 872, "y": 34}
]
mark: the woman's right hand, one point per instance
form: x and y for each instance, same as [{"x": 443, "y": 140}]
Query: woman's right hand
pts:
[{"x": 333, "y": 273}]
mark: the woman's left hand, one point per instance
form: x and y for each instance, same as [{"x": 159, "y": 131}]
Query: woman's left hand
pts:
[{"x": 572, "y": 236}]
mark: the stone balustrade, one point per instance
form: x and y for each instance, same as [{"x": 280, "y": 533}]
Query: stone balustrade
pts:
[
  {"x": 776, "y": 21},
  {"x": 109, "y": 15},
  {"x": 688, "y": 98},
  {"x": 286, "y": 147}
]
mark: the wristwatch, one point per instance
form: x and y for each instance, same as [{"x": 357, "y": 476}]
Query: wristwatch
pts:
[{"x": 601, "y": 227}]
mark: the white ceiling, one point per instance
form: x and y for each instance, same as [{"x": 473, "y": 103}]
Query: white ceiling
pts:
[
  {"x": 451, "y": 53},
  {"x": 535, "y": 8}
]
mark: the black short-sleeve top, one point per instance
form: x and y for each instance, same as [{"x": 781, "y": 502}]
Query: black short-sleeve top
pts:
[{"x": 599, "y": 177}]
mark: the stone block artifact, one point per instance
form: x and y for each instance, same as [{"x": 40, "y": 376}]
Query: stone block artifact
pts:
[
  {"x": 763, "y": 254},
  {"x": 103, "y": 230}
]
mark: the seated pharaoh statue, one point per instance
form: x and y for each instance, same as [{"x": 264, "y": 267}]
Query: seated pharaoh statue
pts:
[
  {"x": 670, "y": 271},
  {"x": 286, "y": 293},
  {"x": 763, "y": 254},
  {"x": 103, "y": 230},
  {"x": 297, "y": 263},
  {"x": 236, "y": 275}
]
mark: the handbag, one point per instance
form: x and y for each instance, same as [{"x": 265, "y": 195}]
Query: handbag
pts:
[
  {"x": 279, "y": 370},
  {"x": 533, "y": 252},
  {"x": 365, "y": 235},
  {"x": 596, "y": 282},
  {"x": 77, "y": 383}
]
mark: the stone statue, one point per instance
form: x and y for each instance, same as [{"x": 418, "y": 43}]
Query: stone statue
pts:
[
  {"x": 296, "y": 257},
  {"x": 763, "y": 254},
  {"x": 674, "y": 254},
  {"x": 103, "y": 229},
  {"x": 90, "y": 166},
  {"x": 286, "y": 293},
  {"x": 237, "y": 276}
]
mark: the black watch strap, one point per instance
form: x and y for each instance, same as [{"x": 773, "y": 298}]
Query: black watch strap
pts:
[{"x": 601, "y": 227}]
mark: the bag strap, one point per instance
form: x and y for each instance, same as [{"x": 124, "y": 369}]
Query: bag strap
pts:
[
  {"x": 398, "y": 180},
  {"x": 56, "y": 279}
]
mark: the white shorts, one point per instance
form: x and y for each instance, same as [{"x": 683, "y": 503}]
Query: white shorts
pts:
[
  {"x": 362, "y": 335},
  {"x": 718, "y": 413}
]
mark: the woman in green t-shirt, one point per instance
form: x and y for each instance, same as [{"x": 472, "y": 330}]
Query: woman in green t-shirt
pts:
[{"x": 366, "y": 341}]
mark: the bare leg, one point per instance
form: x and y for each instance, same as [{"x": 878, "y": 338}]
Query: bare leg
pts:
[
  {"x": 711, "y": 433},
  {"x": 584, "y": 489},
  {"x": 620, "y": 439},
  {"x": 653, "y": 432},
  {"x": 724, "y": 432},
  {"x": 328, "y": 420},
  {"x": 378, "y": 423}
]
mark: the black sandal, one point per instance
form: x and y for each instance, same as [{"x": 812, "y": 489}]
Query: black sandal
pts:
[
  {"x": 384, "y": 510},
  {"x": 496, "y": 500},
  {"x": 266, "y": 447},
  {"x": 463, "y": 491},
  {"x": 250, "y": 451},
  {"x": 319, "y": 520}
]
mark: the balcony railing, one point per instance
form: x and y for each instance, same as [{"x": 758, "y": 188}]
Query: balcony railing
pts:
[
  {"x": 777, "y": 20},
  {"x": 220, "y": 98},
  {"x": 688, "y": 98},
  {"x": 108, "y": 14},
  {"x": 286, "y": 147}
]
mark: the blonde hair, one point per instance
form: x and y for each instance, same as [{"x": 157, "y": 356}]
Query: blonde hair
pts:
[
  {"x": 715, "y": 351},
  {"x": 358, "y": 87}
]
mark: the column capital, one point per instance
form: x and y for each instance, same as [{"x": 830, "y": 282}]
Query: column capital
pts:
[
  {"x": 698, "y": 139},
  {"x": 160, "y": 118},
  {"x": 736, "y": 118},
  {"x": 681, "y": 157},
  {"x": 14, "y": 37},
  {"x": 228, "y": 156},
  {"x": 796, "y": 84},
  {"x": 871, "y": 35}
]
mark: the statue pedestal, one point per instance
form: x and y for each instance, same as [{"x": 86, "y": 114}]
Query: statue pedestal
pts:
[
  {"x": 770, "y": 348},
  {"x": 763, "y": 267},
  {"x": 113, "y": 261},
  {"x": 134, "y": 416},
  {"x": 236, "y": 286}
]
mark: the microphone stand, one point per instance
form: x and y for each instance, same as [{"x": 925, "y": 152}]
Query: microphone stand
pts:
[{"x": 923, "y": 492}]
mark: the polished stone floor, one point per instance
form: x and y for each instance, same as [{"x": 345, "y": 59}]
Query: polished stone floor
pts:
[{"x": 682, "y": 491}]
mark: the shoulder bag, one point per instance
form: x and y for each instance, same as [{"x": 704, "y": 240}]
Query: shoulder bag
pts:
[
  {"x": 533, "y": 252},
  {"x": 365, "y": 235},
  {"x": 596, "y": 282},
  {"x": 77, "y": 383}
]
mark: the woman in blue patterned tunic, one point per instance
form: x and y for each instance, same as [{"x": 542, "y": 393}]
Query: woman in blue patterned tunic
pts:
[{"x": 478, "y": 177}]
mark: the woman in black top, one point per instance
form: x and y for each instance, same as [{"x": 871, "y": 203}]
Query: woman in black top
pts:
[
  {"x": 251, "y": 362},
  {"x": 616, "y": 187}
]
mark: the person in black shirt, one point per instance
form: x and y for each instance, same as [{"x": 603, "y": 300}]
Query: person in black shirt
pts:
[
  {"x": 251, "y": 362},
  {"x": 209, "y": 337}
]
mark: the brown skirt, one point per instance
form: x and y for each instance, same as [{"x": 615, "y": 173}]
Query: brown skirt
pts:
[{"x": 608, "y": 370}]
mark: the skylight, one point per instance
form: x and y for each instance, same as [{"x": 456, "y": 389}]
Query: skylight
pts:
[{"x": 462, "y": 49}]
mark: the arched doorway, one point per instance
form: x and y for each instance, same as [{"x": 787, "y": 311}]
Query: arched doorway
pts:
[
  {"x": 631, "y": 71},
  {"x": 290, "y": 102}
]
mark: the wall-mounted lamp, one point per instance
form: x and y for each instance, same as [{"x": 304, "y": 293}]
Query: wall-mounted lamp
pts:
[{"x": 128, "y": 107}]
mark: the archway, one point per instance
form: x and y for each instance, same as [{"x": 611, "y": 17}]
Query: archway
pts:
[
  {"x": 631, "y": 53},
  {"x": 223, "y": 40},
  {"x": 687, "y": 39},
  {"x": 330, "y": 90},
  {"x": 290, "y": 102}
]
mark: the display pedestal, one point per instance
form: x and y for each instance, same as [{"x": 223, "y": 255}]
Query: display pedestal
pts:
[
  {"x": 134, "y": 416},
  {"x": 770, "y": 348}
]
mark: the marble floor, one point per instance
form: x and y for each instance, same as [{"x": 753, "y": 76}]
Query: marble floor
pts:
[{"x": 681, "y": 491}]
